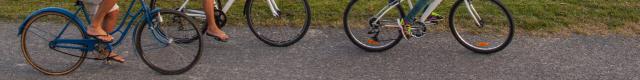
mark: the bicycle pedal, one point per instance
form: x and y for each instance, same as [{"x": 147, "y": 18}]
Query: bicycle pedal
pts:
[{"x": 405, "y": 33}]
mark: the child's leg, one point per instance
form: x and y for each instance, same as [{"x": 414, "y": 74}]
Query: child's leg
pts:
[
  {"x": 97, "y": 20},
  {"x": 420, "y": 6},
  {"x": 96, "y": 26},
  {"x": 111, "y": 19},
  {"x": 211, "y": 22}
]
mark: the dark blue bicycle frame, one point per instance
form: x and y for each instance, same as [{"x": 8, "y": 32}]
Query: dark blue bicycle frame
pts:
[{"x": 88, "y": 42}]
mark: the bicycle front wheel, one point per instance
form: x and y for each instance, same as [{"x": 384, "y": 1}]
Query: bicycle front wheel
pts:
[
  {"x": 36, "y": 43},
  {"x": 281, "y": 25},
  {"x": 483, "y": 26},
  {"x": 171, "y": 45}
]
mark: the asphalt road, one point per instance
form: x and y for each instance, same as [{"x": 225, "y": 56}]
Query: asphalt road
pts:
[{"x": 326, "y": 54}]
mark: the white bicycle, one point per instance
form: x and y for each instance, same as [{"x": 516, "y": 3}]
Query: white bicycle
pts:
[
  {"x": 277, "y": 23},
  {"x": 482, "y": 26}
]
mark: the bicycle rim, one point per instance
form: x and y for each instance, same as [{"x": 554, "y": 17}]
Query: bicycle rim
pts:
[
  {"x": 172, "y": 46},
  {"x": 358, "y": 24},
  {"x": 35, "y": 39},
  {"x": 283, "y": 30},
  {"x": 493, "y": 34}
]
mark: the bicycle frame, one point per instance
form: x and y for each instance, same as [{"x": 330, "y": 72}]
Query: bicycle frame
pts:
[
  {"x": 272, "y": 6},
  {"x": 90, "y": 43},
  {"x": 420, "y": 6}
]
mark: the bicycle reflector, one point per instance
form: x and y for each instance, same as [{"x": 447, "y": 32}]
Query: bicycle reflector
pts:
[
  {"x": 483, "y": 44},
  {"x": 373, "y": 42}
]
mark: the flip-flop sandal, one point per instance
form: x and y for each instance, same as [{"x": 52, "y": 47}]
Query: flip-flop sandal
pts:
[
  {"x": 216, "y": 37},
  {"x": 112, "y": 57},
  {"x": 100, "y": 39}
]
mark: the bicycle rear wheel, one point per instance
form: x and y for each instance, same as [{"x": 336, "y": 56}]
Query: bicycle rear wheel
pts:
[
  {"x": 489, "y": 32},
  {"x": 291, "y": 24},
  {"x": 361, "y": 29},
  {"x": 171, "y": 45},
  {"x": 36, "y": 39}
]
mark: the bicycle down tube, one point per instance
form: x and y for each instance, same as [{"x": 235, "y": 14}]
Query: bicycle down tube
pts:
[
  {"x": 419, "y": 6},
  {"x": 272, "y": 6}
]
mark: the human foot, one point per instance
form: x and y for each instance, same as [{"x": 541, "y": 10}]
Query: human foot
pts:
[
  {"x": 115, "y": 57},
  {"x": 218, "y": 35},
  {"x": 100, "y": 34}
]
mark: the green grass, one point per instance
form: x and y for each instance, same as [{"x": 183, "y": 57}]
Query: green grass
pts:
[{"x": 530, "y": 15}]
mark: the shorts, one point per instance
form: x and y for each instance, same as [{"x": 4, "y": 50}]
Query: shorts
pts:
[{"x": 93, "y": 5}]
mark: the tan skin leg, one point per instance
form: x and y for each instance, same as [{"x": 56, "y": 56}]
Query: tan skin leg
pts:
[
  {"x": 99, "y": 18},
  {"x": 110, "y": 20},
  {"x": 213, "y": 29},
  {"x": 109, "y": 24}
]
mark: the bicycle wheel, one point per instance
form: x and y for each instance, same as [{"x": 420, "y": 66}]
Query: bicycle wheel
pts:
[
  {"x": 37, "y": 35},
  {"x": 361, "y": 29},
  {"x": 171, "y": 45},
  {"x": 287, "y": 28},
  {"x": 491, "y": 32}
]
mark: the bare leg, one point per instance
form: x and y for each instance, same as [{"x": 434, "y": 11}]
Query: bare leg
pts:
[
  {"x": 212, "y": 28},
  {"x": 110, "y": 20},
  {"x": 96, "y": 26},
  {"x": 109, "y": 24}
]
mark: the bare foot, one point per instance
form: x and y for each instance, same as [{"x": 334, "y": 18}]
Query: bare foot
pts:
[{"x": 221, "y": 36}]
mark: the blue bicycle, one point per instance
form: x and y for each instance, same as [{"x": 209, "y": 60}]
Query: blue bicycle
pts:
[
  {"x": 482, "y": 26},
  {"x": 54, "y": 40}
]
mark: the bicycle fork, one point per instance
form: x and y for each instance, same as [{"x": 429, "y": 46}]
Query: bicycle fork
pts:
[
  {"x": 274, "y": 8},
  {"x": 474, "y": 13}
]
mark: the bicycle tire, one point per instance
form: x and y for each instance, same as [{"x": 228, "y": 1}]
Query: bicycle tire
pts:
[
  {"x": 39, "y": 67},
  {"x": 361, "y": 44},
  {"x": 471, "y": 47},
  {"x": 154, "y": 66},
  {"x": 277, "y": 43}
]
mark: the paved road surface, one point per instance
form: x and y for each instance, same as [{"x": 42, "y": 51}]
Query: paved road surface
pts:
[{"x": 326, "y": 54}]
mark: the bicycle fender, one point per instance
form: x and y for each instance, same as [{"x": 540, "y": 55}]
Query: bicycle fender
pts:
[
  {"x": 155, "y": 10},
  {"x": 51, "y": 9},
  {"x": 147, "y": 19}
]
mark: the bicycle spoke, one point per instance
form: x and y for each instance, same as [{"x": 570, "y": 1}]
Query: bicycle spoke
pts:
[
  {"x": 276, "y": 25},
  {"x": 160, "y": 45},
  {"x": 491, "y": 33},
  {"x": 40, "y": 35},
  {"x": 36, "y": 49},
  {"x": 176, "y": 51}
]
